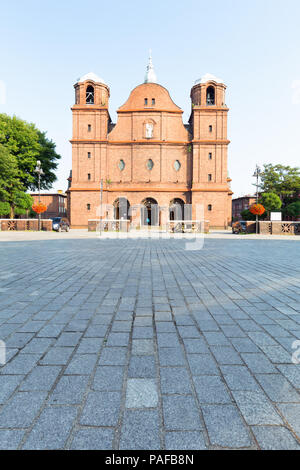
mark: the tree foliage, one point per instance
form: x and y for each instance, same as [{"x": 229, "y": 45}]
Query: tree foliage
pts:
[
  {"x": 23, "y": 203},
  {"x": 21, "y": 146},
  {"x": 247, "y": 215},
  {"x": 24, "y": 141},
  {"x": 293, "y": 209},
  {"x": 4, "y": 208},
  {"x": 11, "y": 187},
  {"x": 21, "y": 140},
  {"x": 9, "y": 180},
  {"x": 270, "y": 201},
  {"x": 49, "y": 162},
  {"x": 280, "y": 179}
]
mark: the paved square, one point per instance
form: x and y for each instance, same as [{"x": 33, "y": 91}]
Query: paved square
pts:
[
  {"x": 142, "y": 344},
  {"x": 141, "y": 393}
]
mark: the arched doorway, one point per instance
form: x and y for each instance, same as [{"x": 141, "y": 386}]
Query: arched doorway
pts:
[
  {"x": 149, "y": 212},
  {"x": 121, "y": 209},
  {"x": 176, "y": 209}
]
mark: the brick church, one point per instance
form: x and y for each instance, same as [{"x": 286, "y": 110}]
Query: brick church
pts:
[{"x": 153, "y": 167}]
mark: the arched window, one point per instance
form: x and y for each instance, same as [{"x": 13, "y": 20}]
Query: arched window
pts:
[
  {"x": 89, "y": 95},
  {"x": 210, "y": 96},
  {"x": 176, "y": 209}
]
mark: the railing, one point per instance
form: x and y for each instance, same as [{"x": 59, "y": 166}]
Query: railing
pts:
[
  {"x": 187, "y": 226},
  {"x": 108, "y": 225},
  {"x": 268, "y": 227},
  {"x": 279, "y": 227},
  {"x": 24, "y": 224}
]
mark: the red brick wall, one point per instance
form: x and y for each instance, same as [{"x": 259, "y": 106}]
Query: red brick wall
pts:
[{"x": 171, "y": 141}]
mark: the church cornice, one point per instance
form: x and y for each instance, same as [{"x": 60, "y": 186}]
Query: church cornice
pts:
[
  {"x": 129, "y": 142},
  {"x": 147, "y": 189},
  {"x": 213, "y": 188},
  {"x": 150, "y": 142},
  {"x": 88, "y": 108},
  {"x": 149, "y": 110},
  {"x": 210, "y": 109},
  {"x": 209, "y": 142},
  {"x": 143, "y": 189}
]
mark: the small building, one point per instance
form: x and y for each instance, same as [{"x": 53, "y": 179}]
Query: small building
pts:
[
  {"x": 240, "y": 204},
  {"x": 56, "y": 204}
]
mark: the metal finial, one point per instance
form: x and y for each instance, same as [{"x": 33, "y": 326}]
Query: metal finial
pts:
[{"x": 150, "y": 76}]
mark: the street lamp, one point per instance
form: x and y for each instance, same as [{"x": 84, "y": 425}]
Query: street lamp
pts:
[
  {"x": 39, "y": 171},
  {"x": 256, "y": 175}
]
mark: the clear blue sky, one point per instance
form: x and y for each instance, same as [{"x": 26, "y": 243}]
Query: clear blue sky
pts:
[{"x": 253, "y": 45}]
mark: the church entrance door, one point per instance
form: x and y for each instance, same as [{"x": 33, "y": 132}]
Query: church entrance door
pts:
[{"x": 149, "y": 212}]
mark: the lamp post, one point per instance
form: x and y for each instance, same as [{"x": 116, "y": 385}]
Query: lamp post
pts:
[
  {"x": 39, "y": 171},
  {"x": 256, "y": 175}
]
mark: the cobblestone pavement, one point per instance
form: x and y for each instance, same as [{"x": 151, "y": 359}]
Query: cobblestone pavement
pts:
[{"x": 140, "y": 344}]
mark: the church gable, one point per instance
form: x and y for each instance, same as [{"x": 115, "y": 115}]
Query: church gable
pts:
[
  {"x": 149, "y": 114},
  {"x": 150, "y": 96}
]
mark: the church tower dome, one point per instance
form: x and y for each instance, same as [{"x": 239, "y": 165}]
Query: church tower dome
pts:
[
  {"x": 92, "y": 77},
  {"x": 91, "y": 90},
  {"x": 208, "y": 91}
]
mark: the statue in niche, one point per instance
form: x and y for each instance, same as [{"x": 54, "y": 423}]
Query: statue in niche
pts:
[{"x": 149, "y": 130}]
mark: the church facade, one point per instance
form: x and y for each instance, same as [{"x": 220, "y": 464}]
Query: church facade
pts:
[{"x": 149, "y": 158}]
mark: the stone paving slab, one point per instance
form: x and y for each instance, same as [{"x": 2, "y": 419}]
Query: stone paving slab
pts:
[{"x": 144, "y": 344}]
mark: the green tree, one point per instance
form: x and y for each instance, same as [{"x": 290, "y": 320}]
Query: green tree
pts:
[
  {"x": 4, "y": 208},
  {"x": 280, "y": 179},
  {"x": 22, "y": 202},
  {"x": 246, "y": 215},
  {"x": 270, "y": 201},
  {"x": 21, "y": 140},
  {"x": 24, "y": 141},
  {"x": 293, "y": 209},
  {"x": 49, "y": 161},
  {"x": 11, "y": 187},
  {"x": 8, "y": 173}
]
